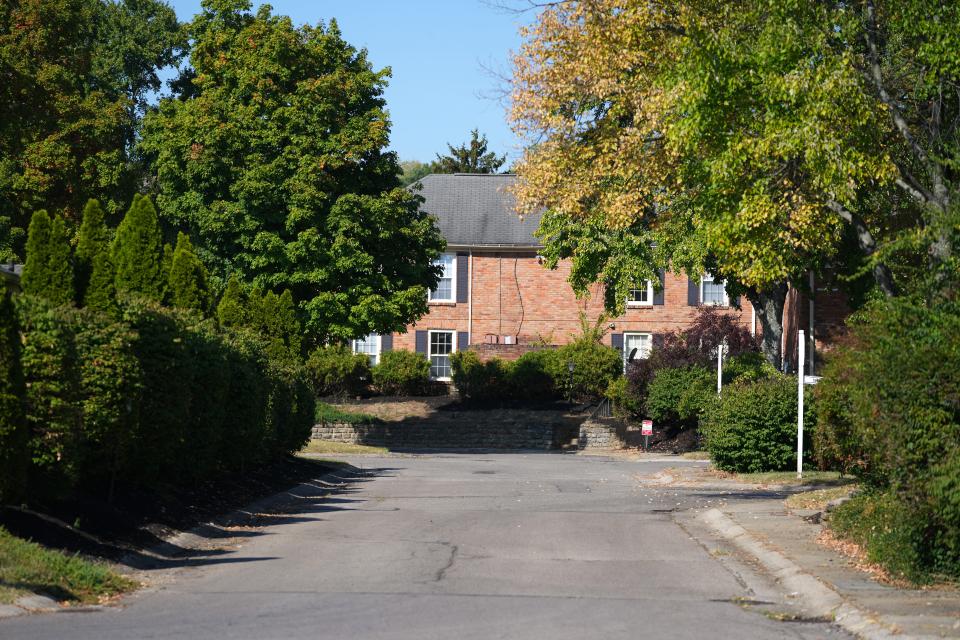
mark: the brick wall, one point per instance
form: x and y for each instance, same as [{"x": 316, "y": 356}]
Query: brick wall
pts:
[
  {"x": 830, "y": 312},
  {"x": 514, "y": 295}
]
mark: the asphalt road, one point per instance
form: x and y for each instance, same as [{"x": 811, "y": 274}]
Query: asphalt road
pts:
[{"x": 461, "y": 546}]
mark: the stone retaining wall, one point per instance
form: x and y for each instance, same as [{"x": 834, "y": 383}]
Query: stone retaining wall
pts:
[
  {"x": 601, "y": 434},
  {"x": 495, "y": 429}
]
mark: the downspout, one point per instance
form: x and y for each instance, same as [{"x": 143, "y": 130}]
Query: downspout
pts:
[
  {"x": 753, "y": 320},
  {"x": 813, "y": 342},
  {"x": 470, "y": 297}
]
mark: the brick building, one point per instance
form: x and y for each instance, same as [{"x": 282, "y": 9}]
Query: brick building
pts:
[{"x": 496, "y": 296}]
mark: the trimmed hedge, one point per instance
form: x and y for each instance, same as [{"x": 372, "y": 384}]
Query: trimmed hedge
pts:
[
  {"x": 753, "y": 427},
  {"x": 336, "y": 371},
  {"x": 678, "y": 395},
  {"x": 157, "y": 398},
  {"x": 402, "y": 373}
]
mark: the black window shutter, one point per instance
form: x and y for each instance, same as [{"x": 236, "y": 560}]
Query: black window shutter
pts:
[
  {"x": 616, "y": 341},
  {"x": 693, "y": 293},
  {"x": 420, "y": 339},
  {"x": 463, "y": 340},
  {"x": 658, "y": 293},
  {"x": 736, "y": 302},
  {"x": 656, "y": 341},
  {"x": 463, "y": 277},
  {"x": 386, "y": 342}
]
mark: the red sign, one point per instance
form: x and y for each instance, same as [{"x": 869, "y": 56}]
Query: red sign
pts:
[{"x": 646, "y": 428}]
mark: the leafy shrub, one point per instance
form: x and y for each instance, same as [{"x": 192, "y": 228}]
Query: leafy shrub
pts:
[
  {"x": 753, "y": 427},
  {"x": 677, "y": 396},
  {"x": 889, "y": 410},
  {"x": 336, "y": 371},
  {"x": 481, "y": 382},
  {"x": 530, "y": 378},
  {"x": 747, "y": 367},
  {"x": 625, "y": 404},
  {"x": 595, "y": 366},
  {"x": 402, "y": 373},
  {"x": 159, "y": 398},
  {"x": 13, "y": 419}
]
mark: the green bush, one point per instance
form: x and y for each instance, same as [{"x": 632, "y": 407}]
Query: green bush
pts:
[
  {"x": 159, "y": 398},
  {"x": 749, "y": 366},
  {"x": 484, "y": 383},
  {"x": 888, "y": 411},
  {"x": 595, "y": 366},
  {"x": 530, "y": 379},
  {"x": 753, "y": 427},
  {"x": 402, "y": 373},
  {"x": 13, "y": 419},
  {"x": 336, "y": 371},
  {"x": 678, "y": 396}
]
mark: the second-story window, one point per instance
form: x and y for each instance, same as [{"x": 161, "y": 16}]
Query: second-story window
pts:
[
  {"x": 641, "y": 296},
  {"x": 713, "y": 291},
  {"x": 447, "y": 287}
]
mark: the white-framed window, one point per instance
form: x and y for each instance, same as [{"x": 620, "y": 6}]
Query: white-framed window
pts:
[
  {"x": 440, "y": 344},
  {"x": 446, "y": 290},
  {"x": 642, "y": 296},
  {"x": 713, "y": 291},
  {"x": 369, "y": 345},
  {"x": 642, "y": 342}
]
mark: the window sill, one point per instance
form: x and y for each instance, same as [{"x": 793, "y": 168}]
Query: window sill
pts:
[
  {"x": 640, "y": 305},
  {"x": 441, "y": 303}
]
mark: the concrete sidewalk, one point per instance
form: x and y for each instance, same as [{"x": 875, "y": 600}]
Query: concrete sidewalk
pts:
[{"x": 883, "y": 611}]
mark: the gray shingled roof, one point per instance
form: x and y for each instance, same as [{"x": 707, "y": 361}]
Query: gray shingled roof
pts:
[{"x": 477, "y": 210}]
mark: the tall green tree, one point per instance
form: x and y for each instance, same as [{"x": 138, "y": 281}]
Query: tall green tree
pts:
[
  {"x": 101, "y": 290},
  {"x": 187, "y": 286},
  {"x": 470, "y": 157},
  {"x": 413, "y": 170},
  {"x": 232, "y": 309},
  {"x": 273, "y": 157},
  {"x": 137, "y": 252},
  {"x": 92, "y": 239},
  {"x": 48, "y": 271},
  {"x": 76, "y": 76},
  {"x": 14, "y": 454}
]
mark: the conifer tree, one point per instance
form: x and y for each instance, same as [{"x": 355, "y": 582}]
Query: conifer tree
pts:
[
  {"x": 187, "y": 285},
  {"x": 13, "y": 423},
  {"x": 232, "y": 312},
  {"x": 48, "y": 271},
  {"x": 101, "y": 292},
  {"x": 287, "y": 324},
  {"x": 137, "y": 251},
  {"x": 93, "y": 238}
]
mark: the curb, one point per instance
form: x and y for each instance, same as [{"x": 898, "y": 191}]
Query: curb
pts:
[{"x": 818, "y": 598}]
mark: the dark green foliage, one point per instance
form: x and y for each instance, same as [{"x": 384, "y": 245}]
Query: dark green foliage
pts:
[
  {"x": 273, "y": 158},
  {"x": 401, "y": 373},
  {"x": 677, "y": 396},
  {"x": 753, "y": 427},
  {"x": 92, "y": 240},
  {"x": 471, "y": 157},
  {"x": 595, "y": 366},
  {"x": 232, "y": 310},
  {"x": 187, "y": 285},
  {"x": 155, "y": 399},
  {"x": 483, "y": 383},
  {"x": 888, "y": 411},
  {"x": 101, "y": 291},
  {"x": 48, "y": 271},
  {"x": 496, "y": 382},
  {"x": 13, "y": 419},
  {"x": 77, "y": 75},
  {"x": 275, "y": 318},
  {"x": 137, "y": 252},
  {"x": 336, "y": 371},
  {"x": 892, "y": 534}
]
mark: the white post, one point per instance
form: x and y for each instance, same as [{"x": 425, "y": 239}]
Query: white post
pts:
[
  {"x": 801, "y": 348},
  {"x": 719, "y": 367}
]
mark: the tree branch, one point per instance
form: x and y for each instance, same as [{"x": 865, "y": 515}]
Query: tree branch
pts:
[{"x": 881, "y": 273}]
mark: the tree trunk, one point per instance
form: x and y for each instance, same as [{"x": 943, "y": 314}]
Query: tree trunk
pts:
[{"x": 769, "y": 305}]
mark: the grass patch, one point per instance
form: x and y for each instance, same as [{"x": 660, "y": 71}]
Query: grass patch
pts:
[
  {"x": 27, "y": 567},
  {"x": 329, "y": 413},
  {"x": 327, "y": 446},
  {"x": 818, "y": 498},
  {"x": 696, "y": 455},
  {"x": 829, "y": 478}
]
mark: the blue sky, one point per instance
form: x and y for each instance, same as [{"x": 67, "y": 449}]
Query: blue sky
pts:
[{"x": 437, "y": 50}]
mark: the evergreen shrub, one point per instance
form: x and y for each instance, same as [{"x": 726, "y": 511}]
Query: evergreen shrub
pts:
[
  {"x": 402, "y": 373},
  {"x": 336, "y": 371},
  {"x": 753, "y": 427}
]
